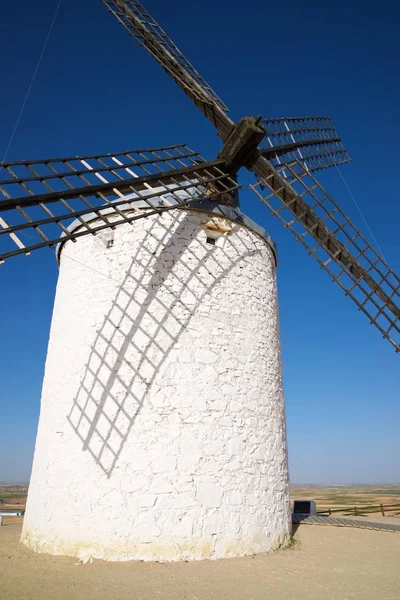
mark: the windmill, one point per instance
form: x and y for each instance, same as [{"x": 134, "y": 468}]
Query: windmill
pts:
[{"x": 162, "y": 428}]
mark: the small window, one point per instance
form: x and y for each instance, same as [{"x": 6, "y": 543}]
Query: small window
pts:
[
  {"x": 211, "y": 241},
  {"x": 110, "y": 243}
]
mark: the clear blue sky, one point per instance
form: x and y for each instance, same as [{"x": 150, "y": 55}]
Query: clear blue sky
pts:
[{"x": 98, "y": 91}]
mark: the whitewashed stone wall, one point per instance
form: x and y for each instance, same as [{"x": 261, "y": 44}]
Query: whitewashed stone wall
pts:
[{"x": 162, "y": 425}]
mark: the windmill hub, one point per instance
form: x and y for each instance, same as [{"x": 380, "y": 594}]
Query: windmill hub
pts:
[{"x": 238, "y": 150}]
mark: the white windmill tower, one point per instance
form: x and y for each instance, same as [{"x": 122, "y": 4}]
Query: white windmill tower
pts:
[{"x": 162, "y": 425}]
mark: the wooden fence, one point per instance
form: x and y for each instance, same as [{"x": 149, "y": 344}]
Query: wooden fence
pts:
[{"x": 384, "y": 509}]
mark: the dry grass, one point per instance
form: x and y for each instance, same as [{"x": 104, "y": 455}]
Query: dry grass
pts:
[{"x": 12, "y": 520}]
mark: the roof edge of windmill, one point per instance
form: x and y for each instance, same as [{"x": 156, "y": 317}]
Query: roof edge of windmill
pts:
[{"x": 208, "y": 206}]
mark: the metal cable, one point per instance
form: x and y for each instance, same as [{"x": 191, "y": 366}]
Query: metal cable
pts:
[
  {"x": 31, "y": 83},
  {"x": 360, "y": 211}
]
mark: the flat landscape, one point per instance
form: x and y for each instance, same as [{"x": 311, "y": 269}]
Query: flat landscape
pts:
[
  {"x": 323, "y": 562},
  {"x": 347, "y": 496},
  {"x": 14, "y": 495}
]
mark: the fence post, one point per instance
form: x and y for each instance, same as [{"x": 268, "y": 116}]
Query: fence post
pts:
[
  {"x": 355, "y": 511},
  {"x": 330, "y": 512},
  {"x": 382, "y": 511}
]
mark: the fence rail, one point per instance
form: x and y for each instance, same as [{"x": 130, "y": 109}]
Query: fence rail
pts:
[{"x": 364, "y": 509}]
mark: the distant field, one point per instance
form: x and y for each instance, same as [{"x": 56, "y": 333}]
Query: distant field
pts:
[
  {"x": 13, "y": 491},
  {"x": 337, "y": 496},
  {"x": 14, "y": 496}
]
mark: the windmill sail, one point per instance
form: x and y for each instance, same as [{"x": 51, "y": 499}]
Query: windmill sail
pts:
[
  {"x": 135, "y": 18},
  {"x": 313, "y": 141},
  {"x": 138, "y": 23},
  {"x": 40, "y": 198},
  {"x": 307, "y": 210},
  {"x": 292, "y": 148}
]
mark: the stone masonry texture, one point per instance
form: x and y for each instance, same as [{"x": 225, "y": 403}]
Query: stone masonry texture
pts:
[{"x": 162, "y": 426}]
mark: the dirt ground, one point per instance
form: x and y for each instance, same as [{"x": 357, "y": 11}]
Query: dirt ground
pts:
[{"x": 326, "y": 563}]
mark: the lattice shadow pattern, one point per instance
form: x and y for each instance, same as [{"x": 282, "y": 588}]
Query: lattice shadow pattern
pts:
[{"x": 106, "y": 406}]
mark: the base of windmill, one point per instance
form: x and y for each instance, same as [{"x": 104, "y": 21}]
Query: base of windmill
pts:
[{"x": 162, "y": 427}]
